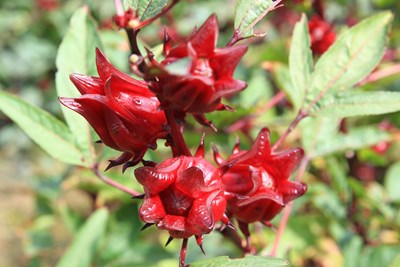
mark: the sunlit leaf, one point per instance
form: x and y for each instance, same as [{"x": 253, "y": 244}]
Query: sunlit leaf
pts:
[
  {"x": 351, "y": 58},
  {"x": 76, "y": 54},
  {"x": 46, "y": 130},
  {"x": 359, "y": 103},
  {"x": 249, "y": 13},
  {"x": 300, "y": 62}
]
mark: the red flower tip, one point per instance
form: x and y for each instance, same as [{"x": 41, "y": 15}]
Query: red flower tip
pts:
[
  {"x": 321, "y": 33},
  {"x": 258, "y": 180},
  {"x": 122, "y": 111},
  {"x": 183, "y": 195},
  {"x": 208, "y": 74}
]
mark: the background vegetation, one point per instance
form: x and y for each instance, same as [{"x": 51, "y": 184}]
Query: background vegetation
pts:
[{"x": 349, "y": 217}]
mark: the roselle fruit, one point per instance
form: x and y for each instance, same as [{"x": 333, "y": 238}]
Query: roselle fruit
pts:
[
  {"x": 183, "y": 195},
  {"x": 208, "y": 75},
  {"x": 321, "y": 33},
  {"x": 258, "y": 181},
  {"x": 122, "y": 110}
]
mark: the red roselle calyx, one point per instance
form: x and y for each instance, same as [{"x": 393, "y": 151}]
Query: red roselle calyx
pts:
[
  {"x": 183, "y": 195},
  {"x": 207, "y": 75},
  {"x": 122, "y": 111},
  {"x": 321, "y": 33},
  {"x": 258, "y": 181}
]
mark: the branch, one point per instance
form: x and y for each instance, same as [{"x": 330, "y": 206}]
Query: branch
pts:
[{"x": 113, "y": 183}]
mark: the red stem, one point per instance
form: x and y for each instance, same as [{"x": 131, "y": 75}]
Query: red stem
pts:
[
  {"x": 119, "y": 7},
  {"x": 301, "y": 115},
  {"x": 176, "y": 134},
  {"x": 278, "y": 97},
  {"x": 182, "y": 255},
  {"x": 379, "y": 74},
  {"x": 288, "y": 208},
  {"x": 113, "y": 183}
]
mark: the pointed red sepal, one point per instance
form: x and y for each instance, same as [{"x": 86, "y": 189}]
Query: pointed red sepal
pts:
[
  {"x": 200, "y": 149},
  {"x": 167, "y": 43},
  {"x": 87, "y": 84},
  {"x": 205, "y": 40},
  {"x": 199, "y": 241},
  {"x": 236, "y": 147},
  {"x": 225, "y": 60},
  {"x": 200, "y": 118},
  {"x": 217, "y": 156}
]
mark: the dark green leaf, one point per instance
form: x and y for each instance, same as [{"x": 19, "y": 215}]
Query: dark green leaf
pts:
[
  {"x": 147, "y": 8},
  {"x": 254, "y": 261},
  {"x": 76, "y": 54},
  {"x": 84, "y": 245},
  {"x": 249, "y": 13},
  {"x": 359, "y": 103},
  {"x": 352, "y": 57},
  {"x": 46, "y": 130},
  {"x": 300, "y": 62}
]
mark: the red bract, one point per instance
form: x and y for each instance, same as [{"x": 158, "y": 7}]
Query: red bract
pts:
[
  {"x": 207, "y": 76},
  {"x": 258, "y": 181},
  {"x": 183, "y": 195},
  {"x": 321, "y": 34},
  {"x": 122, "y": 111}
]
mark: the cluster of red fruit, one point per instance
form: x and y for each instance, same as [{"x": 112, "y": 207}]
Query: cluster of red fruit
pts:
[{"x": 185, "y": 194}]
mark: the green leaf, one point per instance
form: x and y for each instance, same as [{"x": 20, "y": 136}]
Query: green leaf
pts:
[
  {"x": 300, "y": 62},
  {"x": 249, "y": 13},
  {"x": 85, "y": 243},
  {"x": 147, "y": 8},
  {"x": 46, "y": 130},
  {"x": 320, "y": 137},
  {"x": 350, "y": 104},
  {"x": 76, "y": 54},
  {"x": 254, "y": 261},
  {"x": 392, "y": 181},
  {"x": 281, "y": 75},
  {"x": 351, "y": 58}
]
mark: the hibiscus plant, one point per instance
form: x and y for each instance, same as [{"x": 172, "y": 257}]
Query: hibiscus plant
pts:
[{"x": 204, "y": 125}]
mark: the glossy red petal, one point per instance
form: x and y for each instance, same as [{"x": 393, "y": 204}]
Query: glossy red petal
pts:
[
  {"x": 260, "y": 151},
  {"x": 200, "y": 216},
  {"x": 105, "y": 69},
  {"x": 292, "y": 190},
  {"x": 285, "y": 162},
  {"x": 92, "y": 108},
  {"x": 173, "y": 223},
  {"x": 227, "y": 87},
  {"x": 155, "y": 180},
  {"x": 205, "y": 40},
  {"x": 152, "y": 210},
  {"x": 263, "y": 195},
  {"x": 87, "y": 84},
  {"x": 135, "y": 103},
  {"x": 225, "y": 60},
  {"x": 125, "y": 134},
  {"x": 191, "y": 181}
]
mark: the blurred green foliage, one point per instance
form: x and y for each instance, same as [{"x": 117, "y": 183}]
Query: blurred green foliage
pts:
[{"x": 349, "y": 217}]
